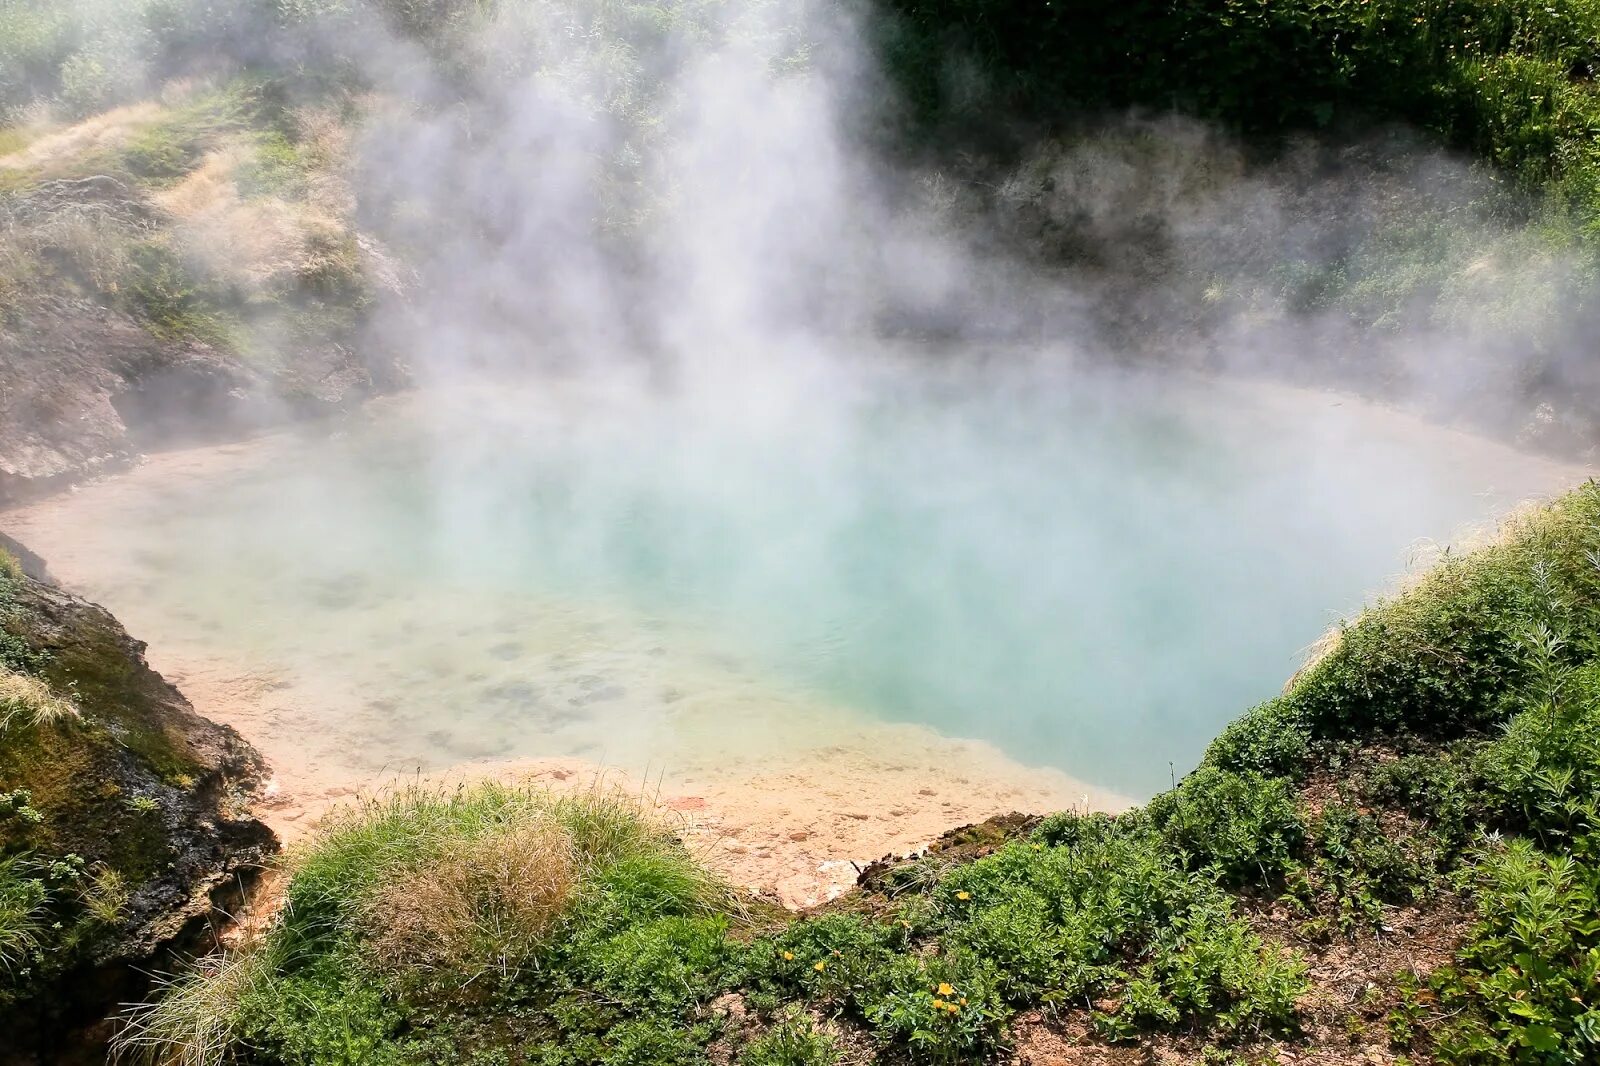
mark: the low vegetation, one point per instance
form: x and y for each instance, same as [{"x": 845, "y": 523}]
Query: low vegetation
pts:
[{"x": 1440, "y": 760}]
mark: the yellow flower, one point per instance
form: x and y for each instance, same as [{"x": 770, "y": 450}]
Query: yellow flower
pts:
[
  {"x": 952, "y": 1008},
  {"x": 945, "y": 989},
  {"x": 963, "y": 1001},
  {"x": 1038, "y": 847},
  {"x": 788, "y": 956},
  {"x": 820, "y": 966},
  {"x": 939, "y": 1004},
  {"x": 963, "y": 895}
]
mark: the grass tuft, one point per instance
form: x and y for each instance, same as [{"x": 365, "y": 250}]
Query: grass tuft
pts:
[{"x": 28, "y": 702}]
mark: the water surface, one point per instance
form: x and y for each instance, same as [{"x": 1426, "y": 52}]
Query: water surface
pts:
[{"x": 1091, "y": 575}]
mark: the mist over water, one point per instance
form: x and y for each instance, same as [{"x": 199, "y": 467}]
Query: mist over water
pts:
[
  {"x": 684, "y": 464},
  {"x": 1094, "y": 576}
]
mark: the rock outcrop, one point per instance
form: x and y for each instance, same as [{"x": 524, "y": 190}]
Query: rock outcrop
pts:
[{"x": 123, "y": 818}]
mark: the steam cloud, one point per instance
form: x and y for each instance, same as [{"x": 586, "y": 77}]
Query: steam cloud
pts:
[{"x": 851, "y": 398}]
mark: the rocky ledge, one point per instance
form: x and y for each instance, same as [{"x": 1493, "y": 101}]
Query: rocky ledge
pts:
[{"x": 124, "y": 821}]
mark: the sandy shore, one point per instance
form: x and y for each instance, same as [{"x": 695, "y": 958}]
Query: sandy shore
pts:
[{"x": 780, "y": 794}]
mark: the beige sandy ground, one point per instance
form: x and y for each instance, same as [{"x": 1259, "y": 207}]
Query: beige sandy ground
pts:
[
  {"x": 781, "y": 795},
  {"x": 797, "y": 825}
]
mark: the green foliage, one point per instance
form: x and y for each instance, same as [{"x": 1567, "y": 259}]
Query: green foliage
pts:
[
  {"x": 22, "y": 916},
  {"x": 1057, "y": 922},
  {"x": 1246, "y": 826},
  {"x": 1272, "y": 739},
  {"x": 1512, "y": 82},
  {"x": 1208, "y": 964},
  {"x": 792, "y": 1041},
  {"x": 1450, "y": 658},
  {"x": 663, "y": 966},
  {"x": 1365, "y": 865},
  {"x": 1543, "y": 775},
  {"x": 35, "y": 40},
  {"x": 324, "y": 1013},
  {"x": 486, "y": 902},
  {"x": 1521, "y": 989},
  {"x": 171, "y": 300}
]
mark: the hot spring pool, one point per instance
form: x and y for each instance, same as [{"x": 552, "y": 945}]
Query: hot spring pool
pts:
[{"x": 1089, "y": 575}]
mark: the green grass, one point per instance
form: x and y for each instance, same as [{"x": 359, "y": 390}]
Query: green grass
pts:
[
  {"x": 505, "y": 895},
  {"x": 23, "y": 918}
]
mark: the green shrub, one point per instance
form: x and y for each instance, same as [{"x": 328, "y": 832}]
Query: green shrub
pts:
[
  {"x": 1438, "y": 791},
  {"x": 943, "y": 1008},
  {"x": 663, "y": 966},
  {"x": 1364, "y": 864},
  {"x": 1511, "y": 81},
  {"x": 1451, "y": 657},
  {"x": 22, "y": 915},
  {"x": 1520, "y": 990},
  {"x": 1273, "y": 739},
  {"x": 1543, "y": 775},
  {"x": 1245, "y": 826},
  {"x": 1208, "y": 965}
]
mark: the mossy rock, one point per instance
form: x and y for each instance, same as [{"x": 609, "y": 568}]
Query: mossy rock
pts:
[{"x": 136, "y": 790}]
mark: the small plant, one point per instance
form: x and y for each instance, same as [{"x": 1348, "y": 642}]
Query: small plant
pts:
[
  {"x": 793, "y": 1040},
  {"x": 1520, "y": 988},
  {"x": 142, "y": 804},
  {"x": 28, "y": 702},
  {"x": 23, "y": 899}
]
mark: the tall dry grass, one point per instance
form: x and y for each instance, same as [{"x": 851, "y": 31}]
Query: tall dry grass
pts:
[
  {"x": 27, "y": 701},
  {"x": 435, "y": 887},
  {"x": 485, "y": 902}
]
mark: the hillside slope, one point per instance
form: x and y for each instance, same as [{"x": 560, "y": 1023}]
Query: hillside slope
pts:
[{"x": 170, "y": 271}]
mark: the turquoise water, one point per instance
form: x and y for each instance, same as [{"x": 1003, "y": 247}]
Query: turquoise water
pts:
[{"x": 1090, "y": 574}]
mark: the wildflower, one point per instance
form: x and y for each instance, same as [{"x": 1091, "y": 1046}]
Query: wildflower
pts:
[
  {"x": 939, "y": 1004},
  {"x": 819, "y": 966},
  {"x": 1038, "y": 847},
  {"x": 963, "y": 1001},
  {"x": 788, "y": 956},
  {"x": 952, "y": 1008},
  {"x": 963, "y": 895},
  {"x": 945, "y": 989}
]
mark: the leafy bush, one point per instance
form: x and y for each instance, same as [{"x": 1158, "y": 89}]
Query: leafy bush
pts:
[
  {"x": 22, "y": 914},
  {"x": 1246, "y": 826},
  {"x": 1450, "y": 658},
  {"x": 484, "y": 896},
  {"x": 1520, "y": 989},
  {"x": 1055, "y": 923},
  {"x": 1513, "y": 82},
  {"x": 1208, "y": 965}
]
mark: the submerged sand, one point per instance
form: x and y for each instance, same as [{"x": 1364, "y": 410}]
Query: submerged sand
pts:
[{"x": 782, "y": 792}]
